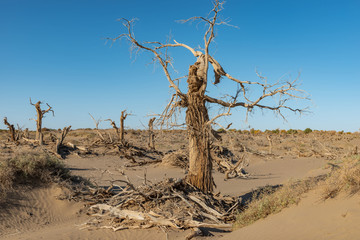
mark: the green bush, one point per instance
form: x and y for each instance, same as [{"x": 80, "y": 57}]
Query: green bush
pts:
[
  {"x": 292, "y": 131},
  {"x": 307, "y": 130}
]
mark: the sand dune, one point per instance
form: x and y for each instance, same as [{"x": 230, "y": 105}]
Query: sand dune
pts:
[{"x": 336, "y": 219}]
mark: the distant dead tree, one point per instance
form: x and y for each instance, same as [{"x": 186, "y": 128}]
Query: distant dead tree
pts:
[
  {"x": 60, "y": 140},
  {"x": 11, "y": 128},
  {"x": 96, "y": 122},
  {"x": 122, "y": 120},
  {"x": 113, "y": 124},
  {"x": 151, "y": 134},
  {"x": 199, "y": 124},
  {"x": 119, "y": 132},
  {"x": 40, "y": 115}
]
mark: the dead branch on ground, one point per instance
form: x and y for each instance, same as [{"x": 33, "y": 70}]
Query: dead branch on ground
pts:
[{"x": 170, "y": 203}]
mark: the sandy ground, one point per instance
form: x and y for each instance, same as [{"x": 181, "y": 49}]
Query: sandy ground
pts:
[
  {"x": 312, "y": 219},
  {"x": 38, "y": 214}
]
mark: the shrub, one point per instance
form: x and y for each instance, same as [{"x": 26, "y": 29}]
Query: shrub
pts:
[
  {"x": 276, "y": 131},
  {"x": 307, "y": 130},
  {"x": 221, "y": 130},
  {"x": 291, "y": 131},
  {"x": 31, "y": 167}
]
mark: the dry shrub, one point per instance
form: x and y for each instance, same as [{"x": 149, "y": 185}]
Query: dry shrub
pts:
[
  {"x": 175, "y": 159},
  {"x": 30, "y": 168},
  {"x": 344, "y": 177},
  {"x": 269, "y": 201}
]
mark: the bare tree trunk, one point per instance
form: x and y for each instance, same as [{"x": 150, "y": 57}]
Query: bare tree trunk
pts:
[
  {"x": 200, "y": 162},
  {"x": 40, "y": 115},
  {"x": 151, "y": 134},
  {"x": 39, "y": 135},
  {"x": 122, "y": 120},
  {"x": 11, "y": 130}
]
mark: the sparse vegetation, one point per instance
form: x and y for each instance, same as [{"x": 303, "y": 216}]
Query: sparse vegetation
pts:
[
  {"x": 30, "y": 168},
  {"x": 268, "y": 201},
  {"x": 344, "y": 177},
  {"x": 307, "y": 130}
]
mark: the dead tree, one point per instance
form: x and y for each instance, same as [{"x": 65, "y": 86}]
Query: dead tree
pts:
[
  {"x": 97, "y": 128},
  {"x": 11, "y": 130},
  {"x": 198, "y": 122},
  {"x": 60, "y": 140},
  {"x": 40, "y": 115},
  {"x": 151, "y": 134},
  {"x": 113, "y": 124},
  {"x": 122, "y": 120}
]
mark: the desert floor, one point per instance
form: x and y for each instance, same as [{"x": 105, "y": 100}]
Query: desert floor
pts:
[{"x": 38, "y": 213}]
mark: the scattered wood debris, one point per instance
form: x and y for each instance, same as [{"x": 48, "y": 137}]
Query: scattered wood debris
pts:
[{"x": 171, "y": 203}]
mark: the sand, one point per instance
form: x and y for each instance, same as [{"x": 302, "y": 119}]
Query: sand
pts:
[
  {"x": 39, "y": 214},
  {"x": 333, "y": 219}
]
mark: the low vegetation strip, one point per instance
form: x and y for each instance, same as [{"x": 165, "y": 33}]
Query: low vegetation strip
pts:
[
  {"x": 267, "y": 201},
  {"x": 345, "y": 177},
  {"x": 30, "y": 168}
]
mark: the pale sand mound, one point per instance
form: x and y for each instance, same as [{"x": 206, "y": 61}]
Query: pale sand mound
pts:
[
  {"x": 336, "y": 219},
  {"x": 32, "y": 209}
]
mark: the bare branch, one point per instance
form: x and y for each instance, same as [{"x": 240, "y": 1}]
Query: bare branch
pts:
[{"x": 135, "y": 44}]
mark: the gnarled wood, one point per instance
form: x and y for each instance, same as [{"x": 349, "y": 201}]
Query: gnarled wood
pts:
[
  {"x": 40, "y": 114},
  {"x": 11, "y": 130},
  {"x": 122, "y": 131},
  {"x": 200, "y": 162}
]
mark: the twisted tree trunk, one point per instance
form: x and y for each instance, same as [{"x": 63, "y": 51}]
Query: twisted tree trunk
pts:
[
  {"x": 122, "y": 131},
  {"x": 11, "y": 130},
  {"x": 39, "y": 134},
  {"x": 200, "y": 162}
]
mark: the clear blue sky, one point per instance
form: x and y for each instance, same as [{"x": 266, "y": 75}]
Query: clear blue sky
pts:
[{"x": 55, "y": 51}]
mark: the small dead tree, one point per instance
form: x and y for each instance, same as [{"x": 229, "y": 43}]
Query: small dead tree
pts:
[
  {"x": 60, "y": 140},
  {"x": 199, "y": 124},
  {"x": 96, "y": 122},
  {"x": 122, "y": 131},
  {"x": 11, "y": 130},
  {"x": 113, "y": 124},
  {"x": 40, "y": 115},
  {"x": 151, "y": 134}
]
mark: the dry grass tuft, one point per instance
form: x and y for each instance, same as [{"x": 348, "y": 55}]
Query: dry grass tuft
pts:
[
  {"x": 344, "y": 177},
  {"x": 269, "y": 201},
  {"x": 30, "y": 168}
]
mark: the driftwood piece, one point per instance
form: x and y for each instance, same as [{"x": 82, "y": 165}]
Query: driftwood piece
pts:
[
  {"x": 81, "y": 148},
  {"x": 204, "y": 206}
]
